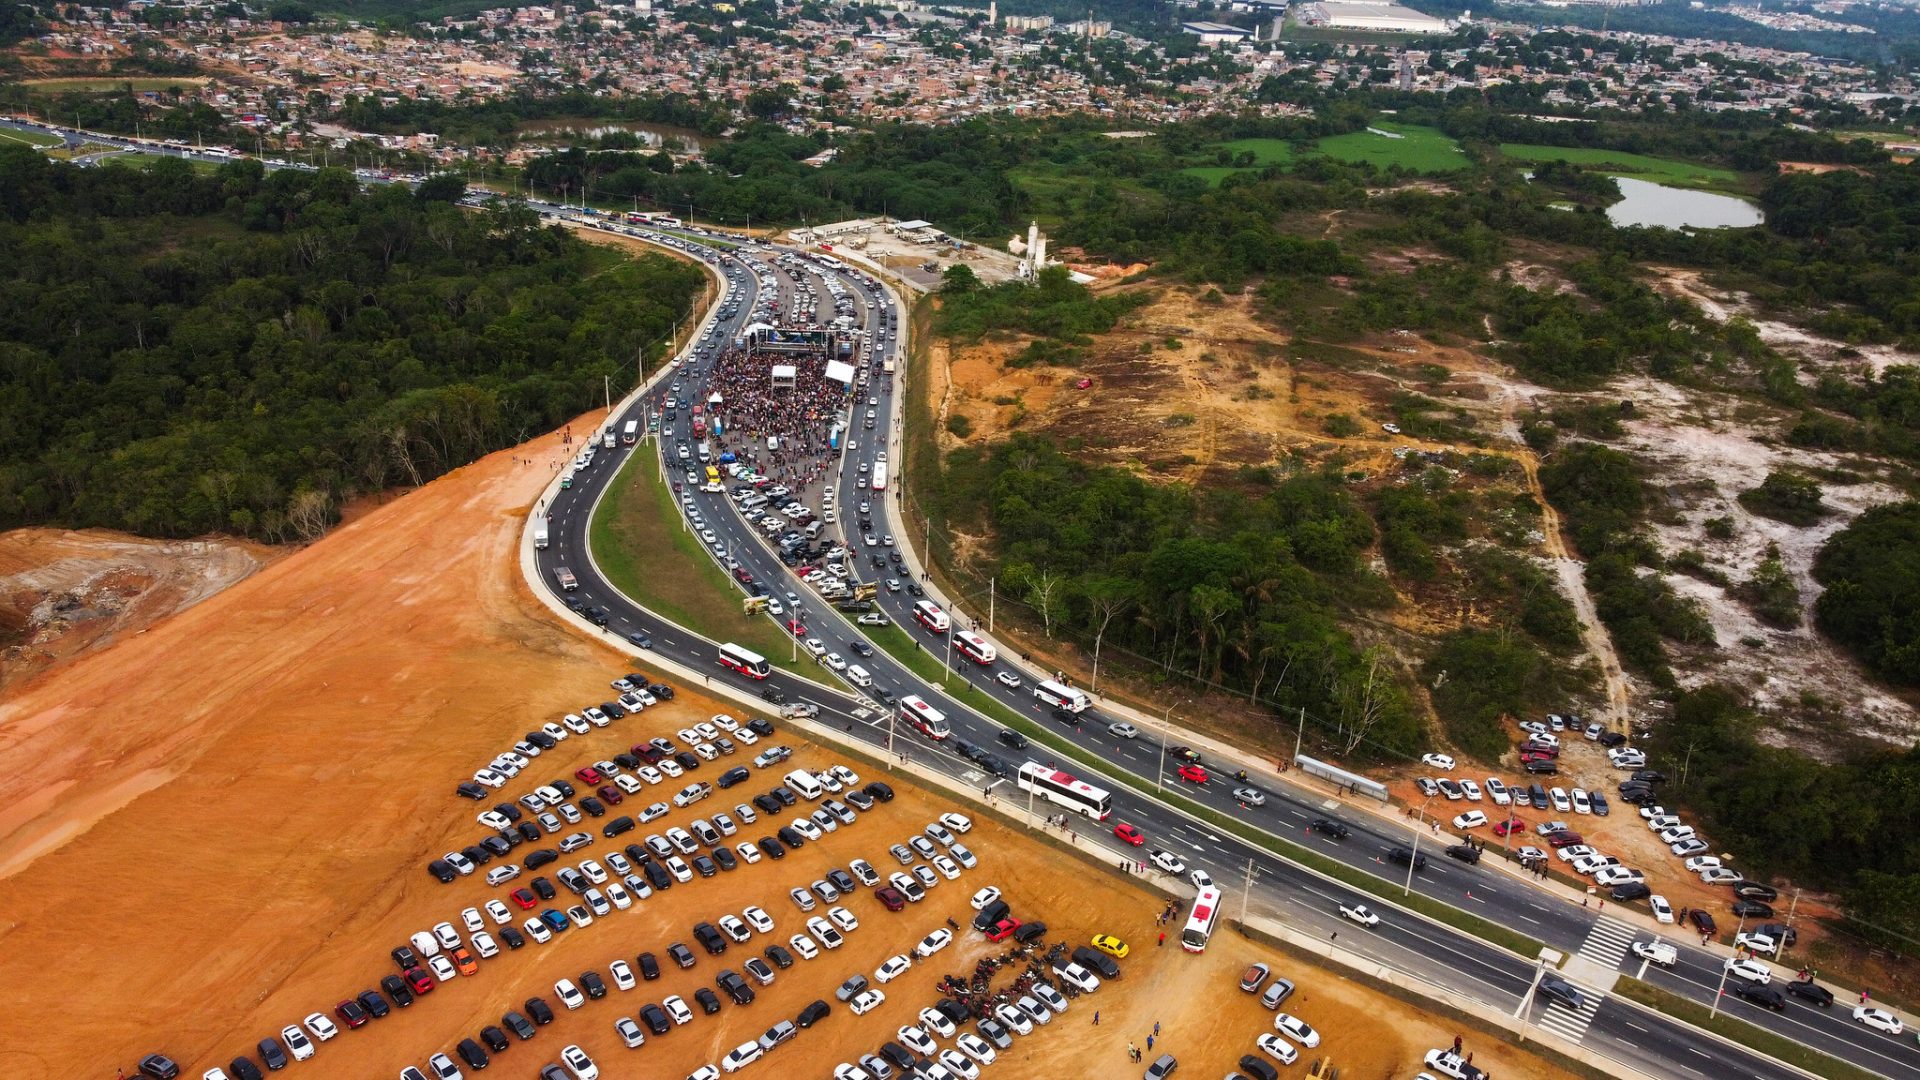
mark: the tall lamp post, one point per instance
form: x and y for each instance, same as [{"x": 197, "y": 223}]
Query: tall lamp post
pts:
[
  {"x": 1726, "y": 969},
  {"x": 1415, "y": 859},
  {"x": 1160, "y": 774}
]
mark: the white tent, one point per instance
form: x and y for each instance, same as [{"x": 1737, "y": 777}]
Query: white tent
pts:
[{"x": 840, "y": 372}]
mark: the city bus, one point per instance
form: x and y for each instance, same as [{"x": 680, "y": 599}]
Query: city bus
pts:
[
  {"x": 879, "y": 476},
  {"x": 745, "y": 661},
  {"x": 973, "y": 647},
  {"x": 1055, "y": 786},
  {"x": 1062, "y": 697},
  {"x": 930, "y": 616},
  {"x": 1200, "y": 924},
  {"x": 931, "y": 721},
  {"x": 631, "y": 433}
]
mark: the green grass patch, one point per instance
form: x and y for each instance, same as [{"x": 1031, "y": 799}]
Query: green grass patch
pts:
[
  {"x": 1637, "y": 166},
  {"x": 1753, "y": 1038},
  {"x": 1410, "y": 146},
  {"x": 29, "y": 138},
  {"x": 639, "y": 544}
]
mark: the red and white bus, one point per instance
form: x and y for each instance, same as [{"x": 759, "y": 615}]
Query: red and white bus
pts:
[
  {"x": 973, "y": 647},
  {"x": 1061, "y": 696},
  {"x": 931, "y": 721},
  {"x": 879, "y": 481},
  {"x": 1055, "y": 786},
  {"x": 930, "y": 616},
  {"x": 745, "y": 661},
  {"x": 1200, "y": 924}
]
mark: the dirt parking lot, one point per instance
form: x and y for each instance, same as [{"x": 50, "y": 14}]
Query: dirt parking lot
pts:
[{"x": 218, "y": 826}]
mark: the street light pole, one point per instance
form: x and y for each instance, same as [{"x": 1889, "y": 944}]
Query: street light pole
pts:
[
  {"x": 1526, "y": 1000},
  {"x": 1415, "y": 859},
  {"x": 1725, "y": 970},
  {"x": 1780, "y": 954},
  {"x": 1160, "y": 774}
]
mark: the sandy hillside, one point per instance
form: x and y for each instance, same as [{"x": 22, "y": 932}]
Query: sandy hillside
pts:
[{"x": 218, "y": 826}]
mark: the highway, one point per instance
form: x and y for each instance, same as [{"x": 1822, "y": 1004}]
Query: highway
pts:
[{"x": 1303, "y": 899}]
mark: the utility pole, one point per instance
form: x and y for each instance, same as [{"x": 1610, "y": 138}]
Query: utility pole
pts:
[
  {"x": 1300, "y": 736},
  {"x": 1246, "y": 892},
  {"x": 1415, "y": 860},
  {"x": 1780, "y": 954},
  {"x": 1721, "y": 990},
  {"x": 1160, "y": 774},
  {"x": 992, "y": 583}
]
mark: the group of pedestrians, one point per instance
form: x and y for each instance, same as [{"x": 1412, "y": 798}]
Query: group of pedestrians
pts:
[{"x": 798, "y": 417}]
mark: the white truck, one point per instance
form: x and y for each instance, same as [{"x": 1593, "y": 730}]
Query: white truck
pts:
[
  {"x": 540, "y": 538},
  {"x": 565, "y": 577}
]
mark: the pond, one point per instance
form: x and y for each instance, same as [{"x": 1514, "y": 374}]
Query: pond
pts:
[{"x": 1659, "y": 206}]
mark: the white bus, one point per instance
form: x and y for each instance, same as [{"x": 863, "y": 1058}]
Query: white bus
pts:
[
  {"x": 930, "y": 616},
  {"x": 1200, "y": 924},
  {"x": 879, "y": 482},
  {"x": 931, "y": 721},
  {"x": 1062, "y": 697},
  {"x": 1055, "y": 786},
  {"x": 631, "y": 433},
  {"x": 973, "y": 647},
  {"x": 745, "y": 661}
]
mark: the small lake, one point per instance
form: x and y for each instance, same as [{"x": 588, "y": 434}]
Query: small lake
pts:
[{"x": 1659, "y": 206}]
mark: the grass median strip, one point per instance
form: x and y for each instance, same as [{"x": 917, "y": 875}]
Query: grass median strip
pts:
[
  {"x": 1753, "y": 1038},
  {"x": 639, "y": 543},
  {"x": 902, "y": 647}
]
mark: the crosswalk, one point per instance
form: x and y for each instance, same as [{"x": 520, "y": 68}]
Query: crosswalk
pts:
[
  {"x": 1571, "y": 1024},
  {"x": 1607, "y": 943},
  {"x": 1605, "y": 947}
]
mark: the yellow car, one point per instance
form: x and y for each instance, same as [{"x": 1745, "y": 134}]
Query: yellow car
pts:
[{"x": 1110, "y": 945}]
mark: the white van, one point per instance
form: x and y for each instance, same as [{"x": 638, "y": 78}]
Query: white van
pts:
[
  {"x": 858, "y": 676},
  {"x": 802, "y": 781},
  {"x": 813, "y": 530},
  {"x": 540, "y": 538}
]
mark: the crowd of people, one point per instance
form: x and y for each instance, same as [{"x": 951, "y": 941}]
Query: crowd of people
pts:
[{"x": 799, "y": 418}]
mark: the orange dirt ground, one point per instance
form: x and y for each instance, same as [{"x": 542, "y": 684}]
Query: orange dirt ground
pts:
[{"x": 218, "y": 826}]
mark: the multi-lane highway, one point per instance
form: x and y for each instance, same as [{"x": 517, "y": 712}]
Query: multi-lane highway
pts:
[{"x": 1301, "y": 898}]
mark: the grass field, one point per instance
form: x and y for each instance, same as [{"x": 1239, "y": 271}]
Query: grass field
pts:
[
  {"x": 30, "y": 138},
  {"x": 638, "y": 541},
  {"x": 100, "y": 85},
  {"x": 1637, "y": 166},
  {"x": 1419, "y": 149}
]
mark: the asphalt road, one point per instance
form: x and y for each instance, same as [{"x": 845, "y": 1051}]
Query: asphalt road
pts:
[{"x": 1431, "y": 951}]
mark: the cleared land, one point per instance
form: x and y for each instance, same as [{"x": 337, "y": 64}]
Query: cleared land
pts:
[
  {"x": 1638, "y": 166},
  {"x": 282, "y": 767}
]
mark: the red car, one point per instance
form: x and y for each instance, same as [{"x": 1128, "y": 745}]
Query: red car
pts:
[
  {"x": 1565, "y": 839},
  {"x": 418, "y": 980},
  {"x": 796, "y": 628},
  {"x": 1083, "y": 384},
  {"x": 589, "y": 774},
  {"x": 1130, "y": 834},
  {"x": 524, "y": 898},
  {"x": 1193, "y": 774},
  {"x": 890, "y": 897},
  {"x": 611, "y": 795},
  {"x": 1003, "y": 929},
  {"x": 1509, "y": 827},
  {"x": 350, "y": 1014}
]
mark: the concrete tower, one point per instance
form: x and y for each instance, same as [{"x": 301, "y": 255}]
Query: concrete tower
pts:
[{"x": 993, "y": 13}]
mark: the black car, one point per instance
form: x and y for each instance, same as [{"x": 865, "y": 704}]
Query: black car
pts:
[
  {"x": 680, "y": 954},
  {"x": 538, "y": 1009},
  {"x": 1701, "y": 920},
  {"x": 989, "y": 915},
  {"x": 396, "y": 988},
  {"x": 375, "y": 1005},
  {"x": 1753, "y": 890},
  {"x": 1406, "y": 856},
  {"x": 271, "y": 1055},
  {"x": 613, "y": 710},
  {"x": 627, "y": 761},
  {"x": 621, "y": 824},
  {"x": 519, "y": 1025},
  {"x": 470, "y": 790},
  {"x": 1258, "y": 1068},
  {"x": 639, "y": 854},
  {"x": 472, "y": 1053},
  {"x": 563, "y": 786},
  {"x": 1780, "y": 932},
  {"x": 760, "y": 727},
  {"x": 785, "y": 795},
  {"x": 781, "y": 958},
  {"x": 244, "y": 1069},
  {"x": 499, "y": 846},
  {"x": 880, "y": 791},
  {"x": 709, "y": 938},
  {"x": 995, "y": 764},
  {"x": 768, "y": 804},
  {"x": 1330, "y": 827},
  {"x": 593, "y": 807},
  {"x": 1030, "y": 932},
  {"x": 704, "y": 866},
  {"x": 860, "y": 648},
  {"x": 735, "y": 775},
  {"x": 735, "y": 987},
  {"x": 726, "y": 858},
  {"x": 953, "y": 1010},
  {"x": 1065, "y": 717},
  {"x": 709, "y": 1001},
  {"x": 1631, "y": 890},
  {"x": 542, "y": 888},
  {"x": 593, "y": 984},
  {"x": 477, "y": 855},
  {"x": 773, "y": 848},
  {"x": 1542, "y": 768},
  {"x": 1752, "y": 909},
  {"x": 1808, "y": 990},
  {"x": 661, "y": 690},
  {"x": 841, "y": 880},
  {"x": 1651, "y": 776},
  {"x": 812, "y": 1014},
  {"x": 1096, "y": 961},
  {"x": 688, "y": 761},
  {"x": 442, "y": 871},
  {"x": 898, "y": 1056},
  {"x": 1764, "y": 996},
  {"x": 658, "y": 877},
  {"x": 1537, "y": 797},
  {"x": 542, "y": 740},
  {"x": 655, "y": 1018},
  {"x": 528, "y": 831},
  {"x": 540, "y": 857},
  {"x": 649, "y": 966},
  {"x": 404, "y": 958},
  {"x": 1611, "y": 739},
  {"x": 598, "y": 616},
  {"x": 1466, "y": 853}
]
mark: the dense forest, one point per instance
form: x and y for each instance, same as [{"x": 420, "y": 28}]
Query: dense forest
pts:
[
  {"x": 1871, "y": 571},
  {"x": 186, "y": 352}
]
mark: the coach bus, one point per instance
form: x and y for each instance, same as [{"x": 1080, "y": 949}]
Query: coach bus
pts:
[
  {"x": 931, "y": 721},
  {"x": 973, "y": 647},
  {"x": 1201, "y": 923},
  {"x": 745, "y": 661},
  {"x": 929, "y": 615},
  {"x": 1051, "y": 784},
  {"x": 1062, "y": 697}
]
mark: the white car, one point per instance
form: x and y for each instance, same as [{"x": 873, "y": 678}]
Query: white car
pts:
[
  {"x": 834, "y": 662},
  {"x": 676, "y": 1007},
  {"x": 448, "y": 937},
  {"x": 1472, "y": 790},
  {"x": 1277, "y": 1048},
  {"x": 844, "y": 776},
  {"x": 1168, "y": 861},
  {"x": 1658, "y": 951},
  {"x": 579, "y": 1064},
  {"x": 935, "y": 1021},
  {"x": 1760, "y": 943},
  {"x": 984, "y": 897},
  {"x": 1296, "y": 1029},
  {"x": 1611, "y": 876},
  {"x": 1879, "y": 1019},
  {"x": 1581, "y": 803},
  {"x": 489, "y": 778},
  {"x": 622, "y": 973},
  {"x": 1200, "y": 878},
  {"x": 1497, "y": 791},
  {"x": 321, "y": 1027},
  {"x": 740, "y": 1057},
  {"x": 297, "y": 1042},
  {"x": 1702, "y": 862},
  {"x": 1016, "y": 1019},
  {"x": 1120, "y": 729},
  {"x": 976, "y": 1047},
  {"x": 843, "y": 919},
  {"x": 865, "y": 1002},
  {"x": 484, "y": 946},
  {"x": 1008, "y": 679},
  {"x": 537, "y": 930},
  {"x": 1438, "y": 761},
  {"x": 815, "y": 646},
  {"x": 917, "y": 1040},
  {"x": 959, "y": 823},
  {"x": 1359, "y": 913},
  {"x": 933, "y": 943},
  {"x": 957, "y": 1064},
  {"x": 1560, "y": 801},
  {"x": 1719, "y": 875},
  {"x": 498, "y": 912},
  {"x": 758, "y": 918},
  {"x": 1662, "y": 911},
  {"x": 891, "y": 968},
  {"x": 629, "y": 1032},
  {"x": 803, "y": 946},
  {"x": 1472, "y": 819},
  {"x": 1751, "y": 970},
  {"x": 748, "y": 853},
  {"x": 569, "y": 994}
]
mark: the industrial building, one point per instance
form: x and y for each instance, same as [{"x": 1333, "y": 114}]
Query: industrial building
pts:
[
  {"x": 1374, "y": 15},
  {"x": 1213, "y": 33}
]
